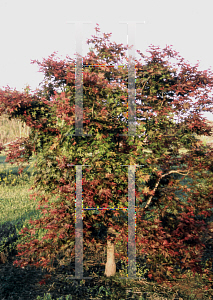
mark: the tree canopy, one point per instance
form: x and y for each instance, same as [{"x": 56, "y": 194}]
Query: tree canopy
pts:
[{"x": 171, "y": 237}]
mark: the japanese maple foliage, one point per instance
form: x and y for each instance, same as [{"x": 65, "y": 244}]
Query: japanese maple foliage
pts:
[{"x": 172, "y": 236}]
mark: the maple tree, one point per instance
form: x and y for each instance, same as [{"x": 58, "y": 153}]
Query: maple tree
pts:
[{"x": 168, "y": 230}]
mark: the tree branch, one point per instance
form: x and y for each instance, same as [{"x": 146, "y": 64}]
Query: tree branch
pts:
[
  {"x": 150, "y": 198},
  {"x": 145, "y": 84}
]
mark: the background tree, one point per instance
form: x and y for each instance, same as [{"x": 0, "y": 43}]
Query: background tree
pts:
[{"x": 159, "y": 86}]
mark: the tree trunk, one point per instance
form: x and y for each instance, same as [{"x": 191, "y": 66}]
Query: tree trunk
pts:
[{"x": 110, "y": 267}]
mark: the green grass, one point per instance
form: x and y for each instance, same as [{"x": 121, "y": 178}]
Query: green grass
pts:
[{"x": 16, "y": 209}]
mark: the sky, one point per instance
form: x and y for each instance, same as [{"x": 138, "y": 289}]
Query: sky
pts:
[{"x": 33, "y": 30}]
